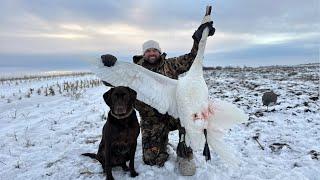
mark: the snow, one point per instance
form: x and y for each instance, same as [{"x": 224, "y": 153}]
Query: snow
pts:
[{"x": 42, "y": 136}]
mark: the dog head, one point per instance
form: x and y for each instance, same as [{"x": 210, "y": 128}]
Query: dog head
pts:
[{"x": 120, "y": 100}]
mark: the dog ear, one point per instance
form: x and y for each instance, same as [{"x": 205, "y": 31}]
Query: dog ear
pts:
[
  {"x": 107, "y": 97},
  {"x": 133, "y": 95}
]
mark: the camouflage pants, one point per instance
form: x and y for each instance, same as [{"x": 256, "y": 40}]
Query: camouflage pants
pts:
[{"x": 155, "y": 130}]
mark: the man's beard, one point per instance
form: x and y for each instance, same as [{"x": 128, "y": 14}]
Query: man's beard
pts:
[{"x": 153, "y": 59}]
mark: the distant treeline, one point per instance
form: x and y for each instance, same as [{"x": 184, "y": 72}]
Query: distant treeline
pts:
[
  {"x": 231, "y": 68},
  {"x": 315, "y": 65},
  {"x": 44, "y": 75}
]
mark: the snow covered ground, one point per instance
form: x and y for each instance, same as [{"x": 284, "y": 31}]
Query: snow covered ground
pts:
[{"x": 46, "y": 123}]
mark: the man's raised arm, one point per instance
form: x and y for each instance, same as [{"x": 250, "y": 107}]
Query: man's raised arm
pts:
[{"x": 183, "y": 63}]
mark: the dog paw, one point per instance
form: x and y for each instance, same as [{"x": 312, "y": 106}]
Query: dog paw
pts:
[
  {"x": 109, "y": 178},
  {"x": 125, "y": 168},
  {"x": 134, "y": 174}
]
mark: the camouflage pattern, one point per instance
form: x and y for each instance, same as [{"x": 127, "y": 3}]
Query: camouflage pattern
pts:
[{"x": 154, "y": 125}]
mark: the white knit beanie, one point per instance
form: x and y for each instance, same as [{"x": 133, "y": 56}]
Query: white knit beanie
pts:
[{"x": 150, "y": 44}]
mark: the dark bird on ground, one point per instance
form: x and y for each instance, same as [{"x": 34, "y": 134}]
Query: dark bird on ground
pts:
[{"x": 269, "y": 98}]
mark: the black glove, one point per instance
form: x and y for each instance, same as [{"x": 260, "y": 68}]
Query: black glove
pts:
[
  {"x": 108, "y": 60},
  {"x": 198, "y": 34}
]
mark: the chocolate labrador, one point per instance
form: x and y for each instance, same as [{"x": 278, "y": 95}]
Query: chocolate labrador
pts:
[{"x": 120, "y": 132}]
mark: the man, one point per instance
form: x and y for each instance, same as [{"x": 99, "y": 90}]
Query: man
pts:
[{"x": 154, "y": 125}]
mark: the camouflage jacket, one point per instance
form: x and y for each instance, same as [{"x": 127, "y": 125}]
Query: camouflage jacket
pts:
[{"x": 171, "y": 67}]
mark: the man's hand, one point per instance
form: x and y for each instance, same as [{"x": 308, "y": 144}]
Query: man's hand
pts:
[
  {"x": 108, "y": 60},
  {"x": 198, "y": 34}
]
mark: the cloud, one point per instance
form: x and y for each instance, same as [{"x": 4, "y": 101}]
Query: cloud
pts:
[
  {"x": 293, "y": 52},
  {"x": 72, "y": 27},
  {"x": 120, "y": 27}
]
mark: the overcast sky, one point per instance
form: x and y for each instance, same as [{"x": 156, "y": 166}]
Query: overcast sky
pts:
[{"x": 247, "y": 31}]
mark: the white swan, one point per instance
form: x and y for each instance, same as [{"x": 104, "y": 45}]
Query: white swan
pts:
[{"x": 186, "y": 98}]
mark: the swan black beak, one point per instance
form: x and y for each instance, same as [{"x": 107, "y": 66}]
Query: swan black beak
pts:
[{"x": 206, "y": 150}]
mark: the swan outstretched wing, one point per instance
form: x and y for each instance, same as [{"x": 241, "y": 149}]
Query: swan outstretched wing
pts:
[{"x": 152, "y": 88}]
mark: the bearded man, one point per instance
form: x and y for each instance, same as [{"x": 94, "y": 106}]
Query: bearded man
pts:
[{"x": 154, "y": 125}]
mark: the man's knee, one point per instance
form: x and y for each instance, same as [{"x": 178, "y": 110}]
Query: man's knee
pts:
[
  {"x": 172, "y": 123},
  {"x": 153, "y": 156}
]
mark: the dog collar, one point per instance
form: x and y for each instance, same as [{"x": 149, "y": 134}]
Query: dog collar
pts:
[{"x": 121, "y": 116}]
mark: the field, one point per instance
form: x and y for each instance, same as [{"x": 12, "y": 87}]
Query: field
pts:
[{"x": 48, "y": 120}]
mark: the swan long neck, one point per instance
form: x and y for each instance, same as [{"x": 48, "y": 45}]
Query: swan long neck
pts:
[{"x": 197, "y": 66}]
